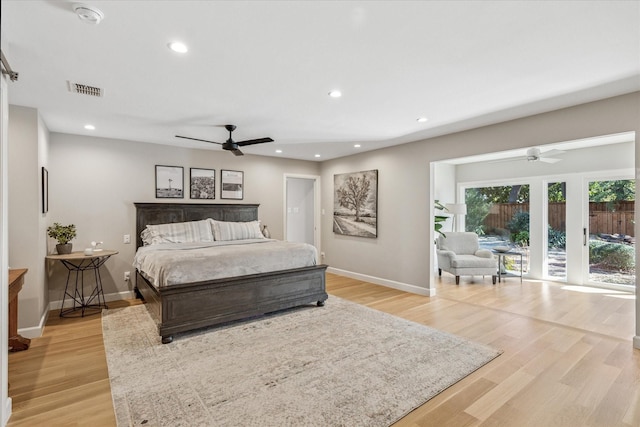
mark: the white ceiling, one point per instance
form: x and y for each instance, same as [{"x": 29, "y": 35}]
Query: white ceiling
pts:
[{"x": 268, "y": 66}]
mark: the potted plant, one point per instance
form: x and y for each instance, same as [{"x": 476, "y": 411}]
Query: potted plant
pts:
[
  {"x": 440, "y": 219},
  {"x": 63, "y": 234}
]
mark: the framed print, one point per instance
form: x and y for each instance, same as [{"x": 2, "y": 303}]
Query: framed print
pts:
[
  {"x": 45, "y": 190},
  {"x": 202, "y": 183},
  {"x": 169, "y": 182},
  {"x": 232, "y": 185},
  {"x": 355, "y": 204}
]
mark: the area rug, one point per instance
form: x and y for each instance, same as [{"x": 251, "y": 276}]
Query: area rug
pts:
[{"x": 338, "y": 365}]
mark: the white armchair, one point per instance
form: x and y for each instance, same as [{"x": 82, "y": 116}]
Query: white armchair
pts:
[{"x": 459, "y": 254}]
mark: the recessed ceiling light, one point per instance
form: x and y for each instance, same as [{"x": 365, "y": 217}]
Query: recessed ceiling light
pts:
[
  {"x": 357, "y": 146},
  {"x": 88, "y": 14},
  {"x": 421, "y": 119},
  {"x": 178, "y": 47},
  {"x": 89, "y": 127},
  {"x": 317, "y": 155},
  {"x": 335, "y": 93},
  {"x": 278, "y": 151}
]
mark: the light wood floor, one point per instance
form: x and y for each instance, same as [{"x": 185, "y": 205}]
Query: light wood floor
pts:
[{"x": 568, "y": 358}]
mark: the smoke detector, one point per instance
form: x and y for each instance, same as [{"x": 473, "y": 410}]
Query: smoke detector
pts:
[{"x": 88, "y": 14}]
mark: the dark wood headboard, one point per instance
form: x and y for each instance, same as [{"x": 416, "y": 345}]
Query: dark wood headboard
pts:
[{"x": 163, "y": 213}]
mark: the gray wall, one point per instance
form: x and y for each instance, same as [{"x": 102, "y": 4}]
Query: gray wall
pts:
[
  {"x": 28, "y": 146},
  {"x": 93, "y": 183}
]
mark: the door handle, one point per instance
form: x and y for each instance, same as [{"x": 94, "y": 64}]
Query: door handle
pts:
[{"x": 584, "y": 236}]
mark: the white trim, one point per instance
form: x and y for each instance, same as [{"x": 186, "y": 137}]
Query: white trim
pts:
[
  {"x": 429, "y": 292},
  {"x": 5, "y": 400},
  {"x": 7, "y": 411},
  {"x": 35, "y": 331},
  {"x": 56, "y": 305}
]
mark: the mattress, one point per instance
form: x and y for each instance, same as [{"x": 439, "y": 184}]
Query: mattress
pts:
[{"x": 170, "y": 264}]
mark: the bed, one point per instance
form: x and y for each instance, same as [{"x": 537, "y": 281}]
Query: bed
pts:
[{"x": 197, "y": 304}]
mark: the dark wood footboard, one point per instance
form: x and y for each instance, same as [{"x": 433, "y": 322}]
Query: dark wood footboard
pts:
[{"x": 182, "y": 308}]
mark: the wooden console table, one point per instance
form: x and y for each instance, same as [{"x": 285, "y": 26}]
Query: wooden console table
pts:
[{"x": 16, "y": 280}]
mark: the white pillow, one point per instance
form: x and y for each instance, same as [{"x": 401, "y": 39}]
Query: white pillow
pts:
[
  {"x": 227, "y": 230},
  {"x": 178, "y": 232}
]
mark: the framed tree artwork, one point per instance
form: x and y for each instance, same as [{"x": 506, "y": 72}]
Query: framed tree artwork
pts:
[
  {"x": 169, "y": 182},
  {"x": 202, "y": 183},
  {"x": 232, "y": 185},
  {"x": 355, "y": 204}
]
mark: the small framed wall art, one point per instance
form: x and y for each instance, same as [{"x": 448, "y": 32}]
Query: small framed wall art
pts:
[
  {"x": 169, "y": 182},
  {"x": 45, "y": 190},
  {"x": 202, "y": 183},
  {"x": 232, "y": 184}
]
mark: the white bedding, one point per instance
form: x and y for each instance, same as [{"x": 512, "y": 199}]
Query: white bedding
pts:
[{"x": 177, "y": 263}]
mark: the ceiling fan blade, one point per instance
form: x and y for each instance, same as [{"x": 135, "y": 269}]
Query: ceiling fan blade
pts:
[
  {"x": 552, "y": 153},
  {"x": 254, "y": 141},
  {"x": 237, "y": 152},
  {"x": 549, "y": 160},
  {"x": 196, "y": 139},
  {"x": 507, "y": 159}
]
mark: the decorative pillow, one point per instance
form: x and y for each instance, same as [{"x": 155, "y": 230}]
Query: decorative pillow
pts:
[
  {"x": 227, "y": 230},
  {"x": 146, "y": 236},
  {"x": 179, "y": 232}
]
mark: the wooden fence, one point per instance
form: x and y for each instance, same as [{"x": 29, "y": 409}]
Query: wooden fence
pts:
[{"x": 601, "y": 219}]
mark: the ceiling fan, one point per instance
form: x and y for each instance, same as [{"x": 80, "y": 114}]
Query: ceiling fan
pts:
[
  {"x": 535, "y": 155},
  {"x": 230, "y": 144}
]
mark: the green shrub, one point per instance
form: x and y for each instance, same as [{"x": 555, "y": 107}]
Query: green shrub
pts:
[
  {"x": 519, "y": 222},
  {"x": 615, "y": 256},
  {"x": 521, "y": 238},
  {"x": 556, "y": 239}
]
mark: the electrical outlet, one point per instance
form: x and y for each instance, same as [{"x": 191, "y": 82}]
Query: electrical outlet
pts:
[
  {"x": 127, "y": 238},
  {"x": 322, "y": 254},
  {"x": 127, "y": 276}
]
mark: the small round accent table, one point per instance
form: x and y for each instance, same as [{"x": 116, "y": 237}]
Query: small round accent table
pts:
[
  {"x": 501, "y": 255},
  {"x": 78, "y": 263}
]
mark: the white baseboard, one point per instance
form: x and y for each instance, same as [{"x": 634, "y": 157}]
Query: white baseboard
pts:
[
  {"x": 6, "y": 414},
  {"x": 56, "y": 305},
  {"x": 636, "y": 342},
  {"x": 35, "y": 331},
  {"x": 430, "y": 292}
]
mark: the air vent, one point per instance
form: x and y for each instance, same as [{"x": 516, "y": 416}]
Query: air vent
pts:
[{"x": 83, "y": 89}]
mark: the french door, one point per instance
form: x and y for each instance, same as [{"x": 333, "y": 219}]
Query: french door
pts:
[{"x": 608, "y": 233}]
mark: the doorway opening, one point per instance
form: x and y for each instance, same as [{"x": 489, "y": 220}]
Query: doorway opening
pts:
[{"x": 302, "y": 206}]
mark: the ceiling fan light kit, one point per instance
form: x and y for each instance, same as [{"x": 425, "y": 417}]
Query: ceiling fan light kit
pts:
[
  {"x": 533, "y": 154},
  {"x": 230, "y": 144}
]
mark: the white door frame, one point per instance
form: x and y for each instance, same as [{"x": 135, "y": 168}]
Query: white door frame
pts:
[
  {"x": 586, "y": 179},
  {"x": 316, "y": 206},
  {"x": 5, "y": 400}
]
